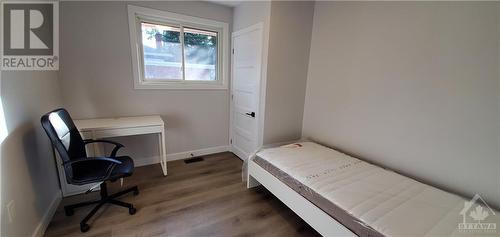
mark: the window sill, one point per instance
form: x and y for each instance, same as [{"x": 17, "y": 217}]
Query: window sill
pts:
[{"x": 179, "y": 86}]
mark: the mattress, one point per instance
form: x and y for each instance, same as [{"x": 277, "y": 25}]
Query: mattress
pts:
[{"x": 370, "y": 200}]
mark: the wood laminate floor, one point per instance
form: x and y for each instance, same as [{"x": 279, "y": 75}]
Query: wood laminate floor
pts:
[{"x": 204, "y": 198}]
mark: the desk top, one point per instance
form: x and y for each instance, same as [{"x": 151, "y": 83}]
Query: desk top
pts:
[{"x": 118, "y": 122}]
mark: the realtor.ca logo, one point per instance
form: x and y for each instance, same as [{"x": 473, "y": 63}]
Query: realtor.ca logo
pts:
[
  {"x": 475, "y": 217},
  {"x": 30, "y": 38}
]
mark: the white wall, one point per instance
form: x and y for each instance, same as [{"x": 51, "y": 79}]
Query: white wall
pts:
[
  {"x": 411, "y": 86},
  {"x": 249, "y": 13},
  {"x": 27, "y": 164},
  {"x": 96, "y": 77},
  {"x": 288, "y": 58}
]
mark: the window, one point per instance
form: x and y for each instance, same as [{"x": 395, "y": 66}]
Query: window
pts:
[{"x": 172, "y": 51}]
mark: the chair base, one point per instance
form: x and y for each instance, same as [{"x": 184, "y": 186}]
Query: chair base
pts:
[{"x": 105, "y": 198}]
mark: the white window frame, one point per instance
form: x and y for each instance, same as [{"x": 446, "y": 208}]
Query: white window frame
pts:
[{"x": 137, "y": 14}]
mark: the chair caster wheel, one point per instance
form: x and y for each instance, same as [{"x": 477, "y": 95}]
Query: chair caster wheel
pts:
[
  {"x": 84, "y": 228},
  {"x": 136, "y": 192},
  {"x": 132, "y": 211},
  {"x": 69, "y": 212}
]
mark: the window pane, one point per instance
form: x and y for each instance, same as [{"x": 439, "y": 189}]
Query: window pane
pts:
[
  {"x": 200, "y": 50},
  {"x": 162, "y": 51}
]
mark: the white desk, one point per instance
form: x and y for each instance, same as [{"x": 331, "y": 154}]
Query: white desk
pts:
[{"x": 116, "y": 127}]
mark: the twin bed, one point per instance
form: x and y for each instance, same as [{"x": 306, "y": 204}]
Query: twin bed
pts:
[{"x": 339, "y": 195}]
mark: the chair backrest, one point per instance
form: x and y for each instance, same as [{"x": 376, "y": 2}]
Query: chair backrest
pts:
[{"x": 65, "y": 137}]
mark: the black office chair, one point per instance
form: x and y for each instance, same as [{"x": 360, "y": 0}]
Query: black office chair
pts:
[{"x": 81, "y": 169}]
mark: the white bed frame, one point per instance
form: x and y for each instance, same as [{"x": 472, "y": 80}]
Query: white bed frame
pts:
[{"x": 313, "y": 215}]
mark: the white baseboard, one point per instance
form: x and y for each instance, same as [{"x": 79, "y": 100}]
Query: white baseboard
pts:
[
  {"x": 180, "y": 155},
  {"x": 200, "y": 152},
  {"x": 47, "y": 216}
]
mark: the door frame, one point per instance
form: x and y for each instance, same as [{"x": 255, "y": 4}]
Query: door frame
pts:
[{"x": 261, "y": 82}]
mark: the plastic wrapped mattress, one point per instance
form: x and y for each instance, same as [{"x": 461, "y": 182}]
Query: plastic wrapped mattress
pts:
[{"x": 367, "y": 199}]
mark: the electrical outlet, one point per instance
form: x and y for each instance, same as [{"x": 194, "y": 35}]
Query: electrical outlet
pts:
[{"x": 11, "y": 211}]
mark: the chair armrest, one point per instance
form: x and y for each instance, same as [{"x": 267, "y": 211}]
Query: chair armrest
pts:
[
  {"x": 115, "y": 150},
  {"x": 87, "y": 141},
  {"x": 84, "y": 159}
]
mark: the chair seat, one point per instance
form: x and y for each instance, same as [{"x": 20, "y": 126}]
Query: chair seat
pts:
[
  {"x": 94, "y": 171},
  {"x": 125, "y": 169}
]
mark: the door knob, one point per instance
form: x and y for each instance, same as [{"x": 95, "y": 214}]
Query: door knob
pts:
[{"x": 252, "y": 114}]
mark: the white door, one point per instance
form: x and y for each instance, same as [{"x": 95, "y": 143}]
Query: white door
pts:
[{"x": 245, "y": 90}]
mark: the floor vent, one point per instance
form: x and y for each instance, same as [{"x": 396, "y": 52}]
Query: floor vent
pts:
[{"x": 193, "y": 160}]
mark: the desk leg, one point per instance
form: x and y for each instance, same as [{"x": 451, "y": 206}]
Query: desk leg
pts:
[
  {"x": 98, "y": 148},
  {"x": 163, "y": 152}
]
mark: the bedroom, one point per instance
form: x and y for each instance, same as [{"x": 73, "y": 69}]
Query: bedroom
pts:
[{"x": 412, "y": 87}]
